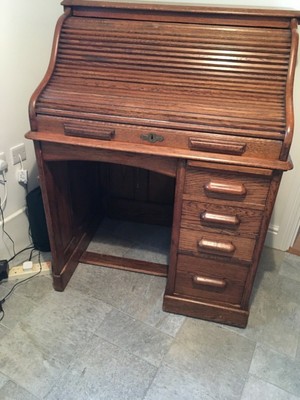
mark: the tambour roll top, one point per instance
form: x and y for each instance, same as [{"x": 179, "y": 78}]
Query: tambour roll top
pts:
[{"x": 199, "y": 71}]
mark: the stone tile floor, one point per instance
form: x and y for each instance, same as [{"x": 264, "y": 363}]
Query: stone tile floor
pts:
[{"x": 106, "y": 336}]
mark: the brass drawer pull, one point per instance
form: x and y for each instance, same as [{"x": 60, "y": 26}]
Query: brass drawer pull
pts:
[
  {"x": 214, "y": 246},
  {"x": 87, "y": 131},
  {"x": 215, "y": 146},
  {"x": 202, "y": 280},
  {"x": 232, "y": 220},
  {"x": 232, "y": 189}
]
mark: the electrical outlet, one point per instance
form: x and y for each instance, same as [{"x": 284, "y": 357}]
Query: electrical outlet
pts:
[
  {"x": 18, "y": 153},
  {"x": 22, "y": 176}
]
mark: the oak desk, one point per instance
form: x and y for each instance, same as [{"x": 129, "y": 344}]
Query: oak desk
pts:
[{"x": 179, "y": 115}]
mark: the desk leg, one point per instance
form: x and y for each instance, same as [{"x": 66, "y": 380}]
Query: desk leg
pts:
[{"x": 71, "y": 199}]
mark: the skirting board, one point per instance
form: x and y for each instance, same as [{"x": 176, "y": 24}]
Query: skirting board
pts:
[
  {"x": 271, "y": 236},
  {"x": 16, "y": 225}
]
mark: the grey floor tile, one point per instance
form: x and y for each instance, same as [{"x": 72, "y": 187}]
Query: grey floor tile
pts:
[
  {"x": 147, "y": 253},
  {"x": 173, "y": 384},
  {"x": 258, "y": 389},
  {"x": 138, "y": 295},
  {"x": 298, "y": 349},
  {"x": 26, "y": 364},
  {"x": 11, "y": 391},
  {"x": 115, "y": 287},
  {"x": 270, "y": 321},
  {"x": 16, "y": 307},
  {"x": 218, "y": 358},
  {"x": 170, "y": 323},
  {"x": 104, "y": 371},
  {"x": 42, "y": 345},
  {"x": 3, "y": 330},
  {"x": 132, "y": 240},
  {"x": 109, "y": 243},
  {"x": 145, "y": 304},
  {"x": 290, "y": 267},
  {"x": 275, "y": 309},
  {"x": 36, "y": 288},
  {"x": 276, "y": 369},
  {"x": 135, "y": 337},
  {"x": 70, "y": 315},
  {"x": 3, "y": 380}
]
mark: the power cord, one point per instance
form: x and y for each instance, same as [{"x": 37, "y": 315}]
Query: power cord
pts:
[
  {"x": 3, "y": 182},
  {"x": 2, "y": 301},
  {"x": 3, "y": 224},
  {"x": 21, "y": 251}
]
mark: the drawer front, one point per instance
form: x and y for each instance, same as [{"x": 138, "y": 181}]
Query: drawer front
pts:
[
  {"x": 204, "y": 244},
  {"x": 237, "y": 189},
  {"x": 223, "y": 219},
  {"x": 210, "y": 280},
  {"x": 163, "y": 137},
  {"x": 235, "y": 145}
]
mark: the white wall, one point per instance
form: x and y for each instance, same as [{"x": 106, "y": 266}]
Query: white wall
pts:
[{"x": 26, "y": 31}]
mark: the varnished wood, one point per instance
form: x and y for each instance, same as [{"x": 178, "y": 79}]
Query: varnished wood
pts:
[
  {"x": 217, "y": 147},
  {"x": 227, "y": 281},
  {"x": 219, "y": 218},
  {"x": 222, "y": 313},
  {"x": 214, "y": 245},
  {"x": 216, "y": 283},
  {"x": 166, "y": 152},
  {"x": 124, "y": 263},
  {"x": 213, "y": 188},
  {"x": 200, "y": 94}
]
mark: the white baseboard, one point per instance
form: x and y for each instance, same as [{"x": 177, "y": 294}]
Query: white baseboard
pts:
[
  {"x": 16, "y": 225},
  {"x": 272, "y": 239}
]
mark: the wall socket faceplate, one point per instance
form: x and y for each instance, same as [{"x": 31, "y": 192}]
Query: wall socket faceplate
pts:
[
  {"x": 17, "y": 151},
  {"x": 3, "y": 163}
]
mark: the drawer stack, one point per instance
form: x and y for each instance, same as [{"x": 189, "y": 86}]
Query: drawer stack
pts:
[{"x": 222, "y": 213}]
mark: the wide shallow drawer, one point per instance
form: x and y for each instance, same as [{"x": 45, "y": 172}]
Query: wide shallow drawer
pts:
[
  {"x": 221, "y": 187},
  {"x": 212, "y": 245},
  {"x": 216, "y": 218},
  {"x": 163, "y": 137},
  {"x": 210, "y": 280}
]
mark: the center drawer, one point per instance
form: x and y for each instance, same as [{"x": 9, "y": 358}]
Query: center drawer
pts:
[
  {"x": 210, "y": 280},
  {"x": 220, "y": 187}
]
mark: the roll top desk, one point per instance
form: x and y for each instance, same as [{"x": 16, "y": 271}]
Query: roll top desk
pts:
[{"x": 196, "y": 100}]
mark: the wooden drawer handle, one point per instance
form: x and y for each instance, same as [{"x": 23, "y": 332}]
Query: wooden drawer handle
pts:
[
  {"x": 232, "y": 189},
  {"x": 212, "y": 246},
  {"x": 208, "y": 217},
  {"x": 202, "y": 280},
  {"x": 216, "y": 146},
  {"x": 89, "y": 132}
]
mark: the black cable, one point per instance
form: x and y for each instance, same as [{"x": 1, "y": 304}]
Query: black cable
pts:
[
  {"x": 4, "y": 231},
  {"x": 2, "y": 301},
  {"x": 3, "y": 313},
  {"x": 21, "y": 251}
]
